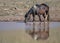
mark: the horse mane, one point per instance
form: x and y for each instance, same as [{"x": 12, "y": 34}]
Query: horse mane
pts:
[{"x": 44, "y": 4}]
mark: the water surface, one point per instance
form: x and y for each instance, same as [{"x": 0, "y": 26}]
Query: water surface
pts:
[{"x": 19, "y": 25}]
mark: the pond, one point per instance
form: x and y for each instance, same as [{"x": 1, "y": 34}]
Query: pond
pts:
[{"x": 22, "y": 25}]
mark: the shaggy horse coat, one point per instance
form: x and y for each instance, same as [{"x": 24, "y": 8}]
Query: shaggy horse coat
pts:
[{"x": 38, "y": 9}]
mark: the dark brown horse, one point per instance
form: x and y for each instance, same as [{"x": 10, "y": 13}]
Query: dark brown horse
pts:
[{"x": 38, "y": 9}]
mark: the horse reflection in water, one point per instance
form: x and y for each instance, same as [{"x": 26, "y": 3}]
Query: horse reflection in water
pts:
[
  {"x": 36, "y": 31},
  {"x": 40, "y": 10}
]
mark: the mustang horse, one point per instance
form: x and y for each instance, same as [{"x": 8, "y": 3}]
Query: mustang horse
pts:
[{"x": 38, "y": 9}]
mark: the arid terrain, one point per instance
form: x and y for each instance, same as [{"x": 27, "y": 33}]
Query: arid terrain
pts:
[
  {"x": 20, "y": 36},
  {"x": 14, "y": 10}
]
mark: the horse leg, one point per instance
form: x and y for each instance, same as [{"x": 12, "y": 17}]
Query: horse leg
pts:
[
  {"x": 45, "y": 18},
  {"x": 47, "y": 13},
  {"x": 27, "y": 17},
  {"x": 33, "y": 17},
  {"x": 48, "y": 21},
  {"x": 39, "y": 17},
  {"x": 39, "y": 25},
  {"x": 39, "y": 22}
]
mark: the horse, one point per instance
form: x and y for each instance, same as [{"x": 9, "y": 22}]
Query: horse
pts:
[{"x": 38, "y": 9}]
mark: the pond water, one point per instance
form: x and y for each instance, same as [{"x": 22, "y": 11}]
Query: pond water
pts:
[{"x": 22, "y": 25}]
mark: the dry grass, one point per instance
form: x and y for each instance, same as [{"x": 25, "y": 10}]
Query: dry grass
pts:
[{"x": 19, "y": 36}]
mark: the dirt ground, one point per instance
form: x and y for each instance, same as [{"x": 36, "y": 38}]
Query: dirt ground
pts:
[{"x": 14, "y": 10}]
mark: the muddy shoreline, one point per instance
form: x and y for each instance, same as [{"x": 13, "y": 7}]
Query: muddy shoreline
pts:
[{"x": 28, "y": 21}]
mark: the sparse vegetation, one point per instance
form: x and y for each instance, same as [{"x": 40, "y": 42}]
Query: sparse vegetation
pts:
[{"x": 7, "y": 8}]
